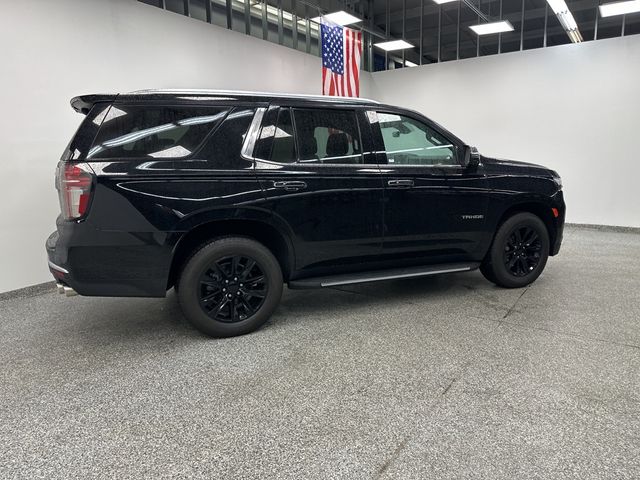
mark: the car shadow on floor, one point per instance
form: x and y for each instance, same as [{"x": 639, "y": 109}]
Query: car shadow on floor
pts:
[{"x": 137, "y": 320}]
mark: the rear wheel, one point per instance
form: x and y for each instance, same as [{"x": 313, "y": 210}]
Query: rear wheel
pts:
[
  {"x": 230, "y": 287},
  {"x": 519, "y": 252}
]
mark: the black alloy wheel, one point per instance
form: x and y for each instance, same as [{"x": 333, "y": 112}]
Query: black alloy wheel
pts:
[
  {"x": 232, "y": 288},
  {"x": 522, "y": 251},
  {"x": 519, "y": 251}
]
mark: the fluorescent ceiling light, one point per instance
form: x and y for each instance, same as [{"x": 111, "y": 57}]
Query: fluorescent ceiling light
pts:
[
  {"x": 339, "y": 18},
  {"x": 558, "y": 6},
  {"x": 619, "y": 8},
  {"x": 566, "y": 19},
  {"x": 393, "y": 45},
  {"x": 440, "y": 2},
  {"x": 493, "y": 27},
  {"x": 409, "y": 63}
]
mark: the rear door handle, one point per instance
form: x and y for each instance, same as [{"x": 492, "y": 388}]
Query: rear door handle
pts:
[
  {"x": 290, "y": 186},
  {"x": 400, "y": 183}
]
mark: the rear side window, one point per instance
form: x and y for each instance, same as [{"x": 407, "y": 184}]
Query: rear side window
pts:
[
  {"x": 276, "y": 141},
  {"x": 328, "y": 136},
  {"x": 154, "y": 131}
]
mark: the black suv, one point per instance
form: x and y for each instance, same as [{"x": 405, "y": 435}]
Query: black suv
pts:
[{"x": 227, "y": 195}]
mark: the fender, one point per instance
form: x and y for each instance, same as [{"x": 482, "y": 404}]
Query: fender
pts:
[{"x": 242, "y": 220}]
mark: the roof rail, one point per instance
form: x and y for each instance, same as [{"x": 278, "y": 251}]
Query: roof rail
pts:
[{"x": 246, "y": 93}]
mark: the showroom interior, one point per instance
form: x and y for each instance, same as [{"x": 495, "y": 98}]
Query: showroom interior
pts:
[{"x": 418, "y": 376}]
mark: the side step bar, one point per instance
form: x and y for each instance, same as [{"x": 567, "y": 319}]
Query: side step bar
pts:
[{"x": 379, "y": 275}]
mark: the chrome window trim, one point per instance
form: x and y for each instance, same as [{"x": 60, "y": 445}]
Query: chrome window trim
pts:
[
  {"x": 438, "y": 165},
  {"x": 305, "y": 164},
  {"x": 249, "y": 143}
]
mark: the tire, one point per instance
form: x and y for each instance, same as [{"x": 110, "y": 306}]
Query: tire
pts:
[
  {"x": 486, "y": 271},
  {"x": 215, "y": 303},
  {"x": 519, "y": 252}
]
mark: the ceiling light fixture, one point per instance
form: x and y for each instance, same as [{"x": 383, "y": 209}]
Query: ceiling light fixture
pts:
[
  {"x": 440, "y": 2},
  {"x": 393, "y": 45},
  {"x": 619, "y": 8},
  {"x": 566, "y": 19},
  {"x": 493, "y": 27},
  {"x": 339, "y": 18}
]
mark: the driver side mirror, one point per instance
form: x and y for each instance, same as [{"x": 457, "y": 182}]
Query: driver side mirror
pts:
[{"x": 471, "y": 157}]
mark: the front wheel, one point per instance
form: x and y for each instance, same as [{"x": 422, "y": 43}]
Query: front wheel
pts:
[
  {"x": 230, "y": 287},
  {"x": 519, "y": 252}
]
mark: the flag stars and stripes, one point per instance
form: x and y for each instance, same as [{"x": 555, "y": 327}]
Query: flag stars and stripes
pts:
[{"x": 341, "y": 53}]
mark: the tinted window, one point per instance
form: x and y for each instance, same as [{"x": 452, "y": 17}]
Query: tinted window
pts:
[
  {"x": 284, "y": 149},
  {"x": 328, "y": 136},
  {"x": 224, "y": 147},
  {"x": 410, "y": 142},
  {"x": 80, "y": 144},
  {"x": 150, "y": 131},
  {"x": 276, "y": 141}
]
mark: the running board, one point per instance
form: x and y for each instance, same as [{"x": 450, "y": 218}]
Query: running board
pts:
[{"x": 379, "y": 275}]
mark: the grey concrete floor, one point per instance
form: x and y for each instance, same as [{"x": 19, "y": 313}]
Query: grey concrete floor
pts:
[{"x": 447, "y": 377}]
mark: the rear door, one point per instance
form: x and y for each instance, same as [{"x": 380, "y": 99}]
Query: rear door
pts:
[
  {"x": 320, "y": 178},
  {"x": 434, "y": 207}
]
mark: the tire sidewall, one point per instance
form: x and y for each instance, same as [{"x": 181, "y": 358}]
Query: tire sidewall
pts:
[
  {"x": 500, "y": 272},
  {"x": 190, "y": 278}
]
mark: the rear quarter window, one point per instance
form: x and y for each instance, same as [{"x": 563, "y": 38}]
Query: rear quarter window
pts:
[
  {"x": 82, "y": 140},
  {"x": 154, "y": 131},
  {"x": 222, "y": 149}
]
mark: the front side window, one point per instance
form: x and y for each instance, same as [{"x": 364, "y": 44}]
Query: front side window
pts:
[
  {"x": 411, "y": 142},
  {"x": 153, "y": 131},
  {"x": 328, "y": 136}
]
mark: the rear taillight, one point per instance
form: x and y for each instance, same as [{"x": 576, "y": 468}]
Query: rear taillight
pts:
[{"x": 74, "y": 182}]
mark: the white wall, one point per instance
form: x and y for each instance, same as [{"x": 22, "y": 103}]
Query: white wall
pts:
[
  {"x": 505, "y": 104},
  {"x": 54, "y": 50},
  {"x": 574, "y": 108}
]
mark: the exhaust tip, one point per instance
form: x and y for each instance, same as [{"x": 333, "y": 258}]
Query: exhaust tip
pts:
[
  {"x": 69, "y": 292},
  {"x": 60, "y": 288}
]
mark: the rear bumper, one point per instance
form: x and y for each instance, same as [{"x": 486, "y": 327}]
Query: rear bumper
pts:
[{"x": 108, "y": 264}]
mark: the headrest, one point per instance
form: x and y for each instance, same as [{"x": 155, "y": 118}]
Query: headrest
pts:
[
  {"x": 308, "y": 147},
  {"x": 337, "y": 145}
]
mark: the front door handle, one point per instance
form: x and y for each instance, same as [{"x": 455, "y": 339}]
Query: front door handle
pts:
[
  {"x": 290, "y": 186},
  {"x": 400, "y": 183}
]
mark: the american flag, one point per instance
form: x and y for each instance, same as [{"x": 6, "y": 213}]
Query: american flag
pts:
[{"x": 341, "y": 52}]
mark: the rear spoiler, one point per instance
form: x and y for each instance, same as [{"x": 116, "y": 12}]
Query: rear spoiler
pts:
[{"x": 84, "y": 103}]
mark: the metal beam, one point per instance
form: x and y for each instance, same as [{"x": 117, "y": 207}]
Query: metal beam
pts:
[
  {"x": 228, "y": 9},
  {"x": 247, "y": 17},
  {"x": 207, "y": 10},
  {"x": 431, "y": 8}
]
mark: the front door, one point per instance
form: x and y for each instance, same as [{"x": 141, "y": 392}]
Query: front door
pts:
[
  {"x": 434, "y": 207},
  {"x": 321, "y": 180}
]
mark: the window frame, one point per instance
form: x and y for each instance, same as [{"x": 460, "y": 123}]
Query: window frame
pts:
[
  {"x": 382, "y": 149},
  {"x": 357, "y": 111}
]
